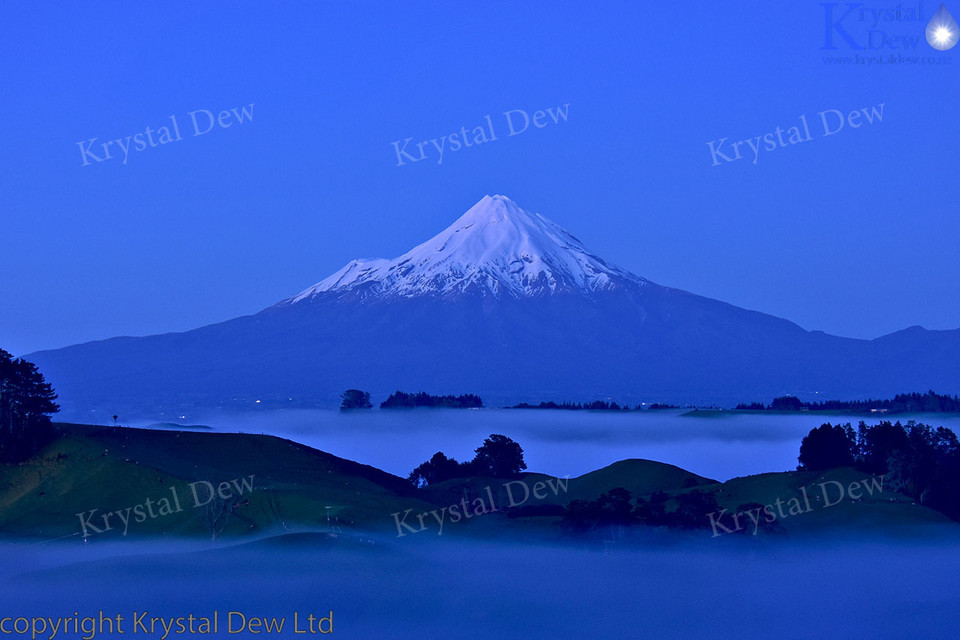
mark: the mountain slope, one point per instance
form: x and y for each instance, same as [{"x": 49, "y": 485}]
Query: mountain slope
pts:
[
  {"x": 495, "y": 248},
  {"x": 505, "y": 304}
]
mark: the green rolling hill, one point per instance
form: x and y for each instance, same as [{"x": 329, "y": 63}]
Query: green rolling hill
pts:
[{"x": 159, "y": 483}]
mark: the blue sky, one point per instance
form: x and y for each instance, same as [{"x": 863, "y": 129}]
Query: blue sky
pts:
[{"x": 853, "y": 233}]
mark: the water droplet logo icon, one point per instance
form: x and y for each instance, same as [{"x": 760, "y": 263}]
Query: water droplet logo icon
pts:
[{"x": 942, "y": 30}]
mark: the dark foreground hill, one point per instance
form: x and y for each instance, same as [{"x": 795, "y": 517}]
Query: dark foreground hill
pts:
[{"x": 272, "y": 485}]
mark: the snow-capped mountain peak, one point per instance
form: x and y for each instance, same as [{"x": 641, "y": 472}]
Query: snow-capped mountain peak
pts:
[{"x": 494, "y": 248}]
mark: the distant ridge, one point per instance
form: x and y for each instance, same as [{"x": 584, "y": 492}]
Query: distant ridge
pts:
[{"x": 504, "y": 304}]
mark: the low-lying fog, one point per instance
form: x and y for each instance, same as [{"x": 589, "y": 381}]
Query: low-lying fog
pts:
[
  {"x": 428, "y": 586},
  {"x": 561, "y": 443},
  {"x": 434, "y": 587}
]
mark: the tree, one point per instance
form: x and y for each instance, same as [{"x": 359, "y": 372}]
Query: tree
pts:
[
  {"x": 404, "y": 400},
  {"x": 826, "y": 447},
  {"x": 615, "y": 506},
  {"x": 653, "y": 511},
  {"x": 26, "y": 402},
  {"x": 216, "y": 514},
  {"x": 498, "y": 457},
  {"x": 437, "y": 469},
  {"x": 879, "y": 443},
  {"x": 693, "y": 509},
  {"x": 607, "y": 515},
  {"x": 786, "y": 403},
  {"x": 579, "y": 516},
  {"x": 914, "y": 459},
  {"x": 355, "y": 399}
]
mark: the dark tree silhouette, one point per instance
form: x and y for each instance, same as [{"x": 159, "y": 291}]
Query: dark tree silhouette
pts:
[
  {"x": 652, "y": 511},
  {"x": 827, "y": 447},
  {"x": 498, "y": 457},
  {"x": 437, "y": 469},
  {"x": 914, "y": 459},
  {"x": 26, "y": 403},
  {"x": 879, "y": 443},
  {"x": 580, "y": 516},
  {"x": 596, "y": 405},
  {"x": 355, "y": 399},
  {"x": 615, "y": 506},
  {"x": 693, "y": 509},
  {"x": 929, "y": 402},
  {"x": 607, "y": 514},
  {"x": 403, "y": 400},
  {"x": 786, "y": 403}
]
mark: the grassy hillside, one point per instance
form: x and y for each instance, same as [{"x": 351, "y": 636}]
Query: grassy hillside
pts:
[
  {"x": 277, "y": 486},
  {"x": 825, "y": 505},
  {"x": 109, "y": 469},
  {"x": 809, "y": 502},
  {"x": 640, "y": 477}
]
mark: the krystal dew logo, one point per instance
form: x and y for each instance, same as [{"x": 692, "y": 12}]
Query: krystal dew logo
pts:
[
  {"x": 886, "y": 28},
  {"x": 202, "y": 122},
  {"x": 943, "y": 31}
]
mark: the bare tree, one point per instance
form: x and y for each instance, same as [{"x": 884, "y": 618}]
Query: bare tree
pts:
[{"x": 216, "y": 514}]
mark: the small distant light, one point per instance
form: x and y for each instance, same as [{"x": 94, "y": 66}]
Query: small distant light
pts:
[{"x": 258, "y": 402}]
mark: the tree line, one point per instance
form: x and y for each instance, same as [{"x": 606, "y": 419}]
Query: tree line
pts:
[
  {"x": 596, "y": 405},
  {"x": 498, "y": 457},
  {"x": 358, "y": 399},
  {"x": 502, "y": 457},
  {"x": 403, "y": 400},
  {"x": 929, "y": 402},
  {"x": 618, "y": 508},
  {"x": 918, "y": 460},
  {"x": 26, "y": 403}
]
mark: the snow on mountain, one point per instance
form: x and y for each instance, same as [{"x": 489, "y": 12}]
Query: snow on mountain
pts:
[
  {"x": 495, "y": 272},
  {"x": 494, "y": 248}
]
